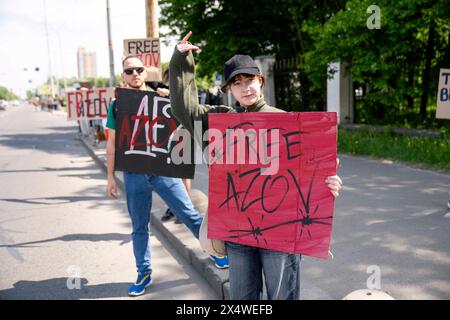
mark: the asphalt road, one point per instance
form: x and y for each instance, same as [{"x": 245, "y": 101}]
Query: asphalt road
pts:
[
  {"x": 60, "y": 237},
  {"x": 391, "y": 232}
]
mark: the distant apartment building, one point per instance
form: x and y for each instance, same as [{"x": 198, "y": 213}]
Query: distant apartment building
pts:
[{"x": 87, "y": 64}]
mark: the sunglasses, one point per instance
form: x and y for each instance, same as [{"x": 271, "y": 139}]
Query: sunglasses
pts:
[{"x": 130, "y": 71}]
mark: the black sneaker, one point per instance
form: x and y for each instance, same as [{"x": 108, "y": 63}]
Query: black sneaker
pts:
[{"x": 167, "y": 215}]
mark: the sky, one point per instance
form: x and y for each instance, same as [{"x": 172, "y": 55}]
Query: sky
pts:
[{"x": 71, "y": 24}]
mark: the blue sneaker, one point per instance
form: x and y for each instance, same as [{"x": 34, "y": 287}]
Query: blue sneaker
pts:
[
  {"x": 142, "y": 282},
  {"x": 220, "y": 262}
]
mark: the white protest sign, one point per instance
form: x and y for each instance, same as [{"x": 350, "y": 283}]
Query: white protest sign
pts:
[
  {"x": 443, "y": 96},
  {"x": 89, "y": 104},
  {"x": 148, "y": 50}
]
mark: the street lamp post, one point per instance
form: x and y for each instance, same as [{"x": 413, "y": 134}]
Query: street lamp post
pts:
[
  {"x": 62, "y": 63},
  {"x": 111, "y": 55},
  {"x": 52, "y": 89}
]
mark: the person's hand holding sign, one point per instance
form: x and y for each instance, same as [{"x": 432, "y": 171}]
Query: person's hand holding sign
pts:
[
  {"x": 163, "y": 92},
  {"x": 185, "y": 45},
  {"x": 334, "y": 182}
]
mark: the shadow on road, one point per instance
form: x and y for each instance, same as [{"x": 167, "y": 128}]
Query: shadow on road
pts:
[
  {"x": 55, "y": 200},
  {"x": 58, "y": 288},
  {"x": 125, "y": 238},
  {"x": 54, "y": 143}
]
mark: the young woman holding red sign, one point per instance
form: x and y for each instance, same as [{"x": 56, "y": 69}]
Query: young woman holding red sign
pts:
[{"x": 244, "y": 80}]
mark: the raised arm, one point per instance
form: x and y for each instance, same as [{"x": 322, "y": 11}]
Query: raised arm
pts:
[{"x": 183, "y": 90}]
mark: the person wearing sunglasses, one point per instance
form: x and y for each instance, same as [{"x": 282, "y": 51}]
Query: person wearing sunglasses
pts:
[{"x": 139, "y": 188}]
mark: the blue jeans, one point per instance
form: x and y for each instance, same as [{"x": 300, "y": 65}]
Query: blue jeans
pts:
[
  {"x": 281, "y": 273},
  {"x": 139, "y": 188}
]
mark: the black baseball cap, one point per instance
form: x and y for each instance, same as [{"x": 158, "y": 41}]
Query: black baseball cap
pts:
[{"x": 238, "y": 64}]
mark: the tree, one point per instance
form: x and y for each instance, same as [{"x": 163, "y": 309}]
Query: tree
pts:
[
  {"x": 6, "y": 94},
  {"x": 254, "y": 27},
  {"x": 395, "y": 63}
]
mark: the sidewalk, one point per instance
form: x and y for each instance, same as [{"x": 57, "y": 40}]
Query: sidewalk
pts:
[{"x": 178, "y": 234}]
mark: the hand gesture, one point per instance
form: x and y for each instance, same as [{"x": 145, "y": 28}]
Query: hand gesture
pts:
[{"x": 185, "y": 45}]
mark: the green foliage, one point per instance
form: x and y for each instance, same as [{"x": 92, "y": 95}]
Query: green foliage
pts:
[
  {"x": 5, "y": 94},
  {"x": 164, "y": 66},
  {"x": 389, "y": 61},
  {"x": 30, "y": 94},
  {"x": 97, "y": 82},
  {"x": 101, "y": 82},
  {"x": 254, "y": 27},
  {"x": 204, "y": 82},
  {"x": 429, "y": 152},
  {"x": 397, "y": 65}
]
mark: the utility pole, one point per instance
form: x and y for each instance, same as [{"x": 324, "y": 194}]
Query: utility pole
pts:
[
  {"x": 152, "y": 23},
  {"x": 112, "y": 78},
  {"x": 52, "y": 89},
  {"x": 62, "y": 63}
]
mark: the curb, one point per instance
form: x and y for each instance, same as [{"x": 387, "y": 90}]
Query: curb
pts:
[{"x": 177, "y": 234}]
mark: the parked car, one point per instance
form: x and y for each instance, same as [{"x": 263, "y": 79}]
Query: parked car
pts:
[{"x": 3, "y": 104}]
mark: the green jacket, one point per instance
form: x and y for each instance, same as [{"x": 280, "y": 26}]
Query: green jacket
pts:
[{"x": 184, "y": 96}]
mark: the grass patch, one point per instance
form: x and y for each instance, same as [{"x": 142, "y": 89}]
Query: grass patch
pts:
[{"x": 432, "y": 153}]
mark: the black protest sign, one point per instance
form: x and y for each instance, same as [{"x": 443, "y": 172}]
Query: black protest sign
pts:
[{"x": 146, "y": 135}]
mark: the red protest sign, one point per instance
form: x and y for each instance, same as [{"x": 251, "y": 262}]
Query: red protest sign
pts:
[{"x": 267, "y": 180}]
